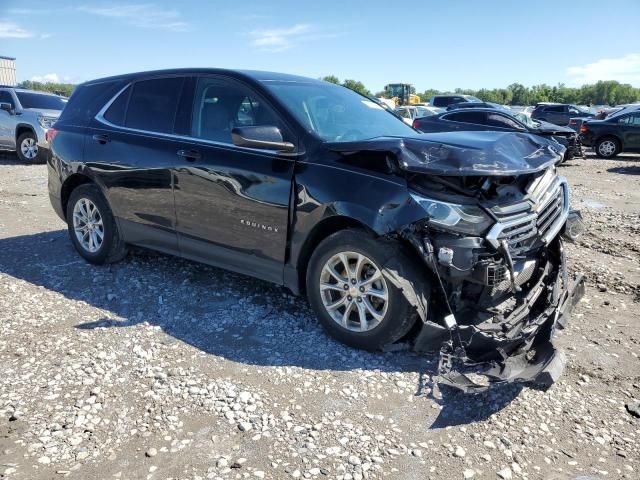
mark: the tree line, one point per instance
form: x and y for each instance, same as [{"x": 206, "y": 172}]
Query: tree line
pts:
[{"x": 604, "y": 92}]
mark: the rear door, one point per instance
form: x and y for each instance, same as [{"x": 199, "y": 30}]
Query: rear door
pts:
[
  {"x": 630, "y": 130},
  {"x": 232, "y": 203},
  {"x": 131, "y": 148}
]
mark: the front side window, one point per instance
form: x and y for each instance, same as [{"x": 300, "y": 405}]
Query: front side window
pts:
[
  {"x": 337, "y": 114},
  {"x": 502, "y": 121},
  {"x": 40, "y": 101},
  {"x": 5, "y": 97},
  {"x": 221, "y": 105},
  {"x": 153, "y": 103}
]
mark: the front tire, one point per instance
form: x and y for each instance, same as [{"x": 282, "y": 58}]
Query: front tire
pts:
[
  {"x": 607, "y": 147},
  {"x": 27, "y": 148},
  {"x": 92, "y": 227},
  {"x": 349, "y": 289}
]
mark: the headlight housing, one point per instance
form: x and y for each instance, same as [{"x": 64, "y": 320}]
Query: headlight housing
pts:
[
  {"x": 469, "y": 219},
  {"x": 46, "y": 122}
]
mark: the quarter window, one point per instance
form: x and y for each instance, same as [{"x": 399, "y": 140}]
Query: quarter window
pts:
[
  {"x": 153, "y": 104},
  {"x": 220, "y": 106},
  {"x": 116, "y": 112}
]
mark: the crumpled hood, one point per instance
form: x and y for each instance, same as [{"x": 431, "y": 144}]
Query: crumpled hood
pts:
[{"x": 463, "y": 153}]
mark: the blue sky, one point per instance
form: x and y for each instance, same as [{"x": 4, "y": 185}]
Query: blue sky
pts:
[{"x": 440, "y": 44}]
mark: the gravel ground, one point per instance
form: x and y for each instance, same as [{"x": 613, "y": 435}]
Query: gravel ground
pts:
[{"x": 157, "y": 367}]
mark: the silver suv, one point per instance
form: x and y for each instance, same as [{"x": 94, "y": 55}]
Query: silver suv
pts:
[{"x": 25, "y": 117}]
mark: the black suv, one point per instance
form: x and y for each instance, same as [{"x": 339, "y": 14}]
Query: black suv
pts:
[
  {"x": 558, "y": 113},
  {"x": 313, "y": 186}
]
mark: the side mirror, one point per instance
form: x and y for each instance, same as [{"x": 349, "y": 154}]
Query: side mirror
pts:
[
  {"x": 266, "y": 137},
  {"x": 7, "y": 107}
]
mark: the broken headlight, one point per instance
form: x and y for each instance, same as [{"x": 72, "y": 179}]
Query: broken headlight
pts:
[{"x": 469, "y": 219}]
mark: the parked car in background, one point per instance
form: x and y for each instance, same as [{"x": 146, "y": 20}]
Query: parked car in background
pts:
[
  {"x": 558, "y": 113},
  {"x": 443, "y": 101},
  {"x": 457, "y": 106},
  {"x": 315, "y": 187},
  {"x": 613, "y": 135},
  {"x": 25, "y": 117},
  {"x": 410, "y": 112},
  {"x": 501, "y": 121}
]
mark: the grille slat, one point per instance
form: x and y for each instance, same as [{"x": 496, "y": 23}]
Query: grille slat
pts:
[{"x": 518, "y": 232}]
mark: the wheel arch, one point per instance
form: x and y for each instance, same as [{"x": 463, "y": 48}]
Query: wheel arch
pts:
[
  {"x": 320, "y": 231},
  {"x": 69, "y": 185},
  {"x": 24, "y": 128}
]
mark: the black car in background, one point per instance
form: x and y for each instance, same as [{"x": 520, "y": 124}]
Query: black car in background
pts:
[
  {"x": 613, "y": 135},
  {"x": 315, "y": 187},
  {"x": 457, "y": 106},
  {"x": 443, "y": 101},
  {"x": 500, "y": 121},
  {"x": 559, "y": 113}
]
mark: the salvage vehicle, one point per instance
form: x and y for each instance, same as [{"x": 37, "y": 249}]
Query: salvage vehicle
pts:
[
  {"x": 500, "y": 121},
  {"x": 559, "y": 113},
  {"x": 452, "y": 240},
  {"x": 615, "y": 134},
  {"x": 25, "y": 117}
]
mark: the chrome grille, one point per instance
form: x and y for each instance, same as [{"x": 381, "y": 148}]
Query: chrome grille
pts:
[{"x": 542, "y": 221}]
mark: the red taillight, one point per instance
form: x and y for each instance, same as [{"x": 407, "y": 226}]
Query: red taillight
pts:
[
  {"x": 583, "y": 128},
  {"x": 50, "y": 135},
  {"x": 415, "y": 124}
]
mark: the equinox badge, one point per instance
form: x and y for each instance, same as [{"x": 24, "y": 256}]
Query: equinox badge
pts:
[{"x": 262, "y": 226}]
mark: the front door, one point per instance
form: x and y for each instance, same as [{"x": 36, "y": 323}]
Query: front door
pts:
[{"x": 232, "y": 203}]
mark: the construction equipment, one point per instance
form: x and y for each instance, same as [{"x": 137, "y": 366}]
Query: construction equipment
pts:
[{"x": 401, "y": 94}]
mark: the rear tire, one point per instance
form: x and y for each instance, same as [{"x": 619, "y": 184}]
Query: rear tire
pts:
[
  {"x": 27, "y": 148},
  {"x": 607, "y": 147},
  {"x": 92, "y": 227},
  {"x": 388, "y": 316}
]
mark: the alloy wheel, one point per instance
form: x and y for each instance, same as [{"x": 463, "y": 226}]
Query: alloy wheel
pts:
[
  {"x": 88, "y": 226},
  {"x": 353, "y": 291},
  {"x": 29, "y": 148},
  {"x": 607, "y": 148}
]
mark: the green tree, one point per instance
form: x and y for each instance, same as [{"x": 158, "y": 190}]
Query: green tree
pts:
[
  {"x": 64, "y": 89},
  {"x": 331, "y": 79},
  {"x": 356, "y": 86}
]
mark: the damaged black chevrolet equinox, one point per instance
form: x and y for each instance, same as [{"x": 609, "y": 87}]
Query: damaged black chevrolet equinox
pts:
[{"x": 451, "y": 241}]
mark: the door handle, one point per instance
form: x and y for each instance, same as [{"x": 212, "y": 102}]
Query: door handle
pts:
[
  {"x": 190, "y": 155},
  {"x": 101, "y": 139}
]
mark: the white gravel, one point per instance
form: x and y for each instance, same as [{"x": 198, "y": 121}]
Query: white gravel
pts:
[{"x": 161, "y": 368}]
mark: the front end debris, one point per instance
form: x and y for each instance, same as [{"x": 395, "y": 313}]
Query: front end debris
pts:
[{"x": 498, "y": 298}]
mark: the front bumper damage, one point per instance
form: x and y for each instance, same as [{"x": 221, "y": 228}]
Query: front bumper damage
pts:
[{"x": 488, "y": 344}]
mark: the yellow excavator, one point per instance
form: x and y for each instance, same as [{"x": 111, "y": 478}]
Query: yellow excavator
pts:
[{"x": 400, "y": 94}]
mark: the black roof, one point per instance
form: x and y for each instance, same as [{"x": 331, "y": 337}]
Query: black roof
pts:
[{"x": 255, "y": 75}]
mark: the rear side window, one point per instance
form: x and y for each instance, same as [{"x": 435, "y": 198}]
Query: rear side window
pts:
[
  {"x": 467, "y": 117},
  {"x": 555, "y": 109},
  {"x": 86, "y": 101},
  {"x": 153, "y": 103},
  {"x": 440, "y": 102},
  {"x": 633, "y": 119}
]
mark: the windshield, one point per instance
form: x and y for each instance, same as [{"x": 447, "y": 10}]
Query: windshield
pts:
[
  {"x": 41, "y": 101},
  {"x": 471, "y": 98},
  {"x": 526, "y": 120},
  {"x": 337, "y": 114}
]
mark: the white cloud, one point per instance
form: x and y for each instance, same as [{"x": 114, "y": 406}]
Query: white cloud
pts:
[
  {"x": 624, "y": 69},
  {"x": 143, "y": 15},
  {"x": 11, "y": 30},
  {"x": 281, "y": 39},
  {"x": 47, "y": 78}
]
